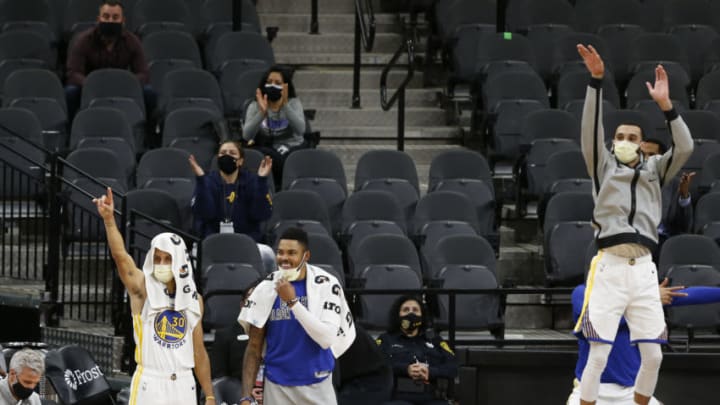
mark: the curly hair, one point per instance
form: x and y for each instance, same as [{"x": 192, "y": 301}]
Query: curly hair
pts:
[{"x": 394, "y": 318}]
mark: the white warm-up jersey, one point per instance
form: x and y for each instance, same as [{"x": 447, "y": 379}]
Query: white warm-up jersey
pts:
[{"x": 163, "y": 340}]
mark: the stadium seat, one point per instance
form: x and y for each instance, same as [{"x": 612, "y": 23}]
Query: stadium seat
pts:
[
  {"x": 707, "y": 216},
  {"x": 168, "y": 169},
  {"x": 71, "y": 391},
  {"x": 190, "y": 88},
  {"x": 710, "y": 173},
  {"x": 688, "y": 249},
  {"x": 239, "y": 83},
  {"x": 459, "y": 250},
  {"x": 166, "y": 51},
  {"x": 298, "y": 208},
  {"x": 697, "y": 40},
  {"x": 617, "y": 37},
  {"x": 564, "y": 171},
  {"x": 31, "y": 15},
  {"x": 532, "y": 170},
  {"x": 227, "y": 390},
  {"x": 149, "y": 16},
  {"x": 567, "y": 59},
  {"x": 522, "y": 14},
  {"x": 325, "y": 253},
  {"x": 702, "y": 124},
  {"x": 21, "y": 163},
  {"x": 158, "y": 205},
  {"x": 647, "y": 50},
  {"x": 392, "y": 171},
  {"x": 476, "y": 311},
  {"x": 230, "y": 248},
  {"x": 571, "y": 88},
  {"x": 239, "y": 46},
  {"x": 679, "y": 82},
  {"x": 443, "y": 213},
  {"x": 385, "y": 249},
  {"x": 695, "y": 317},
  {"x": 703, "y": 149},
  {"x": 219, "y": 20},
  {"x": 41, "y": 92},
  {"x": 594, "y": 14}
]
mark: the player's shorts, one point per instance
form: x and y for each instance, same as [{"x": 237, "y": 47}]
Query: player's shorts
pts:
[
  {"x": 618, "y": 286},
  {"x": 321, "y": 393},
  {"x": 162, "y": 388},
  {"x": 610, "y": 394}
]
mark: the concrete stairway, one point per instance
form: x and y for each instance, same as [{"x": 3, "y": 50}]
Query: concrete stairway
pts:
[{"x": 323, "y": 81}]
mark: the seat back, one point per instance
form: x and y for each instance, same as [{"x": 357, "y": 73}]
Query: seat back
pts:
[
  {"x": 705, "y": 316},
  {"x": 476, "y": 311},
  {"x": 459, "y": 164},
  {"x": 76, "y": 377},
  {"x": 688, "y": 249}
]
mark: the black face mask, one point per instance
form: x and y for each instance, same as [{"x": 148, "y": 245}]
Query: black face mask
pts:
[
  {"x": 110, "y": 29},
  {"x": 273, "y": 92},
  {"x": 410, "y": 322},
  {"x": 227, "y": 164},
  {"x": 21, "y": 391}
]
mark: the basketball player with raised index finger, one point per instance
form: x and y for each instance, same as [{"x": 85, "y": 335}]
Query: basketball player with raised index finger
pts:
[
  {"x": 166, "y": 312},
  {"x": 626, "y": 188}
]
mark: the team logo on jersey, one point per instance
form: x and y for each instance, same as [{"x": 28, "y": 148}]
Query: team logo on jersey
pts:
[{"x": 170, "y": 328}]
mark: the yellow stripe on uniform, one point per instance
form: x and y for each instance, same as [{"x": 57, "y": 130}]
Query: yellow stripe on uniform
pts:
[
  {"x": 137, "y": 326},
  {"x": 134, "y": 385},
  {"x": 588, "y": 289}
]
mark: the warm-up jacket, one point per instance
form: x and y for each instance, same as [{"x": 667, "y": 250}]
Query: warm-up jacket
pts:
[
  {"x": 628, "y": 200},
  {"x": 250, "y": 206}
]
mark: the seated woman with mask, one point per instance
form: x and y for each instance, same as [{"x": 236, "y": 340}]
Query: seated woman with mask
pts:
[
  {"x": 275, "y": 121},
  {"x": 233, "y": 199},
  {"x": 418, "y": 358}
]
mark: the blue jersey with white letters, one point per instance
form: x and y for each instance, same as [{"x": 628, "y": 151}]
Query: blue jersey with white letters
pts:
[{"x": 292, "y": 358}]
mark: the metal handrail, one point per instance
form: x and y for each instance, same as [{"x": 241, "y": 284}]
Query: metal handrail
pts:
[
  {"x": 365, "y": 36},
  {"x": 408, "y": 47},
  {"x": 367, "y": 29}
]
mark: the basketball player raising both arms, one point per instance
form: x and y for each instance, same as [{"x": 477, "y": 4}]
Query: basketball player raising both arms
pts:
[{"x": 626, "y": 188}]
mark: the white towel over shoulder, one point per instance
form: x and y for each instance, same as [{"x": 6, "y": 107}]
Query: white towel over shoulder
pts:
[{"x": 324, "y": 294}]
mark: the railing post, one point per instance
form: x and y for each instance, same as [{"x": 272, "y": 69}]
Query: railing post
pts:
[
  {"x": 356, "y": 63},
  {"x": 314, "y": 24},
  {"x": 237, "y": 13},
  {"x": 52, "y": 270},
  {"x": 451, "y": 320},
  {"x": 401, "y": 120}
]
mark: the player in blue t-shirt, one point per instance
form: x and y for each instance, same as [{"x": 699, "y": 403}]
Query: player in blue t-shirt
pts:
[
  {"x": 624, "y": 361},
  {"x": 301, "y": 315}
]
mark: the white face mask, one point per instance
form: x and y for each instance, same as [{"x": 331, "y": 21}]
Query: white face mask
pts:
[
  {"x": 293, "y": 273},
  {"x": 163, "y": 273},
  {"x": 626, "y": 151}
]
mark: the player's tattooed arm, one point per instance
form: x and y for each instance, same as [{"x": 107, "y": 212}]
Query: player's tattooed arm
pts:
[{"x": 252, "y": 359}]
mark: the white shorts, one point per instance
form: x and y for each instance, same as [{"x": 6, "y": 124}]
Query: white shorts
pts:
[
  {"x": 161, "y": 388},
  {"x": 610, "y": 394},
  {"x": 618, "y": 286}
]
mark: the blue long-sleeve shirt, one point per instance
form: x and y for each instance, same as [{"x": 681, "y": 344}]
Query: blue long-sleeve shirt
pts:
[
  {"x": 246, "y": 203},
  {"x": 624, "y": 360}
]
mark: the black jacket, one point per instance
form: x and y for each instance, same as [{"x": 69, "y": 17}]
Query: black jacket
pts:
[{"x": 402, "y": 351}]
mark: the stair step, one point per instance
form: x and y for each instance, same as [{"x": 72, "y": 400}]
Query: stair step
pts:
[
  {"x": 370, "y": 98},
  {"x": 344, "y": 117},
  {"x": 303, "y": 6},
  {"x": 291, "y": 42},
  {"x": 342, "y": 78},
  {"x": 329, "y": 23},
  {"x": 336, "y": 59},
  {"x": 389, "y": 133}
]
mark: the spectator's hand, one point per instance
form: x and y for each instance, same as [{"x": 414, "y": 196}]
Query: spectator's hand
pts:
[
  {"x": 195, "y": 166},
  {"x": 285, "y": 92},
  {"x": 685, "y": 184},
  {"x": 257, "y": 393},
  {"x": 265, "y": 167},
  {"x": 285, "y": 290},
  {"x": 261, "y": 101},
  {"x": 105, "y": 206},
  {"x": 593, "y": 61},
  {"x": 667, "y": 293},
  {"x": 424, "y": 372},
  {"x": 415, "y": 371},
  {"x": 660, "y": 92}
]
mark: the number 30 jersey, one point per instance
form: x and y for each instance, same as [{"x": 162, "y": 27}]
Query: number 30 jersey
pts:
[{"x": 163, "y": 340}]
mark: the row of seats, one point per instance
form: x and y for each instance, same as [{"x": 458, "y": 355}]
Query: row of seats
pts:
[
  {"x": 61, "y": 18},
  {"x": 231, "y": 262}
]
